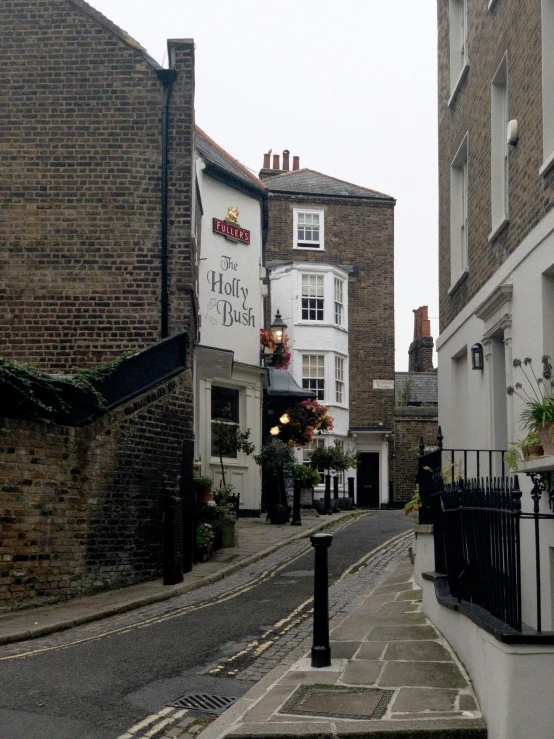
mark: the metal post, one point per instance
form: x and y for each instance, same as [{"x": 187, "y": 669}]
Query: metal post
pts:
[
  {"x": 351, "y": 491},
  {"x": 296, "y": 519},
  {"x": 321, "y": 649},
  {"x": 335, "y": 487},
  {"x": 173, "y": 540},
  {"x": 188, "y": 504},
  {"x": 327, "y": 499}
]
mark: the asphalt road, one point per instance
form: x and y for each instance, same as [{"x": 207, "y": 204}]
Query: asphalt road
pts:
[{"x": 97, "y": 689}]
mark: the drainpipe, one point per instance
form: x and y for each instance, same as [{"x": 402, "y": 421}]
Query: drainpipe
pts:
[{"x": 166, "y": 77}]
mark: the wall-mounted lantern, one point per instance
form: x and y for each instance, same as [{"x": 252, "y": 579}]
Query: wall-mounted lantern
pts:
[
  {"x": 275, "y": 430},
  {"x": 285, "y": 418},
  {"x": 477, "y": 357},
  {"x": 278, "y": 329}
]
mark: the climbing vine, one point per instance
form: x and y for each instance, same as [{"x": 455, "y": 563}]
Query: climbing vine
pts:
[{"x": 29, "y": 393}]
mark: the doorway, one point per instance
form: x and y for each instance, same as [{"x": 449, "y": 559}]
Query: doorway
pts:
[{"x": 368, "y": 480}]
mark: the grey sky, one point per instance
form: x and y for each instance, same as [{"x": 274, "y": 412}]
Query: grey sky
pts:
[{"x": 347, "y": 85}]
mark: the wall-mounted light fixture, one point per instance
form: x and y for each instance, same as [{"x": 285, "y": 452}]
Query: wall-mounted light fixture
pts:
[
  {"x": 285, "y": 418},
  {"x": 275, "y": 430},
  {"x": 278, "y": 329},
  {"x": 477, "y": 357}
]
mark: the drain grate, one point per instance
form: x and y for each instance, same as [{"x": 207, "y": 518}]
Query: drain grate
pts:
[{"x": 206, "y": 702}]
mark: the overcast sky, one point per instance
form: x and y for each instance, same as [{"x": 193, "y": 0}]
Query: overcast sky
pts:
[{"x": 347, "y": 85}]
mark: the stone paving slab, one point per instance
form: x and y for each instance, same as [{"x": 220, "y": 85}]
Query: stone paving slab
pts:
[{"x": 429, "y": 695}]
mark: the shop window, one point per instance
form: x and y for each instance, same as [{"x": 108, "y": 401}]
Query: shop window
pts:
[{"x": 225, "y": 413}]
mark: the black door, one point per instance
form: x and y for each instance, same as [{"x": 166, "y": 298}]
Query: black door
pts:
[{"x": 368, "y": 480}]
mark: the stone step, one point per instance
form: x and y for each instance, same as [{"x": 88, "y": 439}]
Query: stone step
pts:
[{"x": 321, "y": 729}]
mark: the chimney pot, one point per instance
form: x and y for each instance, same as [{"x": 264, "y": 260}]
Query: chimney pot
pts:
[
  {"x": 276, "y": 161},
  {"x": 295, "y": 163},
  {"x": 267, "y": 160},
  {"x": 286, "y": 165}
]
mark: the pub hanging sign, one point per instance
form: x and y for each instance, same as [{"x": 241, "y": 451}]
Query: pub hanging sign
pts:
[{"x": 230, "y": 227}]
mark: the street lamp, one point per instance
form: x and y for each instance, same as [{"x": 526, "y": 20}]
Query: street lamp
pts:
[
  {"x": 277, "y": 329},
  {"x": 477, "y": 357}
]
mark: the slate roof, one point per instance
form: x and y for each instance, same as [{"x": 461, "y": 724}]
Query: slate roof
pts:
[
  {"x": 423, "y": 388},
  {"x": 215, "y": 155},
  {"x": 310, "y": 182}
]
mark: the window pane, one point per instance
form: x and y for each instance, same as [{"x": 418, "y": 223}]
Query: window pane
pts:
[{"x": 225, "y": 404}]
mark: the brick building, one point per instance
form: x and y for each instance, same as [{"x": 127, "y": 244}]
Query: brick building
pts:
[
  {"x": 98, "y": 241},
  {"x": 496, "y": 261},
  {"x": 330, "y": 253},
  {"x": 416, "y": 411}
]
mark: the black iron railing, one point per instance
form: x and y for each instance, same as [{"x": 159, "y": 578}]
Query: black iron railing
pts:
[
  {"x": 476, "y": 528},
  {"x": 480, "y": 538}
]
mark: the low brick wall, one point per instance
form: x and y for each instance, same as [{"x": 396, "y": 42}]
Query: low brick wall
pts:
[
  {"x": 81, "y": 509},
  {"x": 410, "y": 424}
]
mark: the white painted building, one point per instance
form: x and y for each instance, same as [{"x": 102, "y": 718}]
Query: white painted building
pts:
[{"x": 229, "y": 380}]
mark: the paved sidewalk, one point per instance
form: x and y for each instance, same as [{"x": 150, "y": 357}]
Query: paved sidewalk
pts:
[
  {"x": 392, "y": 675},
  {"x": 256, "y": 538}
]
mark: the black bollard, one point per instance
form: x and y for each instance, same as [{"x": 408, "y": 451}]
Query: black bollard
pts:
[
  {"x": 321, "y": 649},
  {"x": 351, "y": 491},
  {"x": 296, "y": 519},
  {"x": 327, "y": 500},
  {"x": 335, "y": 487},
  {"x": 173, "y": 540}
]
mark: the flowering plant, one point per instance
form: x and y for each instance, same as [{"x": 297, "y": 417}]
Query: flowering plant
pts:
[
  {"x": 205, "y": 534},
  {"x": 280, "y": 352},
  {"x": 306, "y": 418},
  {"x": 537, "y": 396}
]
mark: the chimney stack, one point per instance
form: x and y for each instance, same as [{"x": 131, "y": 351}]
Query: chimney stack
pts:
[
  {"x": 271, "y": 171},
  {"x": 421, "y": 348}
]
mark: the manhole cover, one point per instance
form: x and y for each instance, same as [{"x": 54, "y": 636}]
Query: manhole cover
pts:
[
  {"x": 335, "y": 701},
  {"x": 203, "y": 702}
]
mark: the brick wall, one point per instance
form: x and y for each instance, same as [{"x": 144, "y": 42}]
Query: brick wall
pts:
[
  {"x": 358, "y": 233},
  {"x": 80, "y": 196},
  {"x": 410, "y": 425},
  {"x": 81, "y": 508},
  {"x": 512, "y": 26}
]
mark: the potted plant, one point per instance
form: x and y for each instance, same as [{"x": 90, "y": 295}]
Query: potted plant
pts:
[
  {"x": 276, "y": 460},
  {"x": 524, "y": 449},
  {"x": 204, "y": 541},
  {"x": 412, "y": 507},
  {"x": 325, "y": 457},
  {"x": 344, "y": 461},
  {"x": 538, "y": 412},
  {"x": 226, "y": 500},
  {"x": 203, "y": 487},
  {"x": 307, "y": 478}
]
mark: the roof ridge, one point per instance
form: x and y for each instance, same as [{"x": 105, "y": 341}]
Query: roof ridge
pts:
[
  {"x": 109, "y": 25},
  {"x": 231, "y": 159},
  {"x": 331, "y": 177}
]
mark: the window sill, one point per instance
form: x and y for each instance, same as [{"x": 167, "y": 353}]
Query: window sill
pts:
[
  {"x": 547, "y": 165},
  {"x": 496, "y": 231},
  {"x": 542, "y": 464},
  {"x": 309, "y": 248},
  {"x": 457, "y": 86},
  {"x": 304, "y": 322},
  {"x": 461, "y": 279}
]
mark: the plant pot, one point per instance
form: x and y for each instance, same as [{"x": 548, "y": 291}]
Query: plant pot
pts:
[
  {"x": 204, "y": 553},
  {"x": 306, "y": 496},
  {"x": 532, "y": 451},
  {"x": 545, "y": 434},
  {"x": 228, "y": 532},
  {"x": 278, "y": 513}
]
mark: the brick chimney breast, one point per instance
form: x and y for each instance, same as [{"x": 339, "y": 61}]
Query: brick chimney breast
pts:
[
  {"x": 286, "y": 155},
  {"x": 267, "y": 160},
  {"x": 276, "y": 162},
  {"x": 421, "y": 348},
  {"x": 295, "y": 164}
]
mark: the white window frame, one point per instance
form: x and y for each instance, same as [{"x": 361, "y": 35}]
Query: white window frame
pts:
[
  {"x": 338, "y": 301},
  {"x": 237, "y": 424},
  {"x": 459, "y": 266},
  {"x": 547, "y": 25},
  {"x": 321, "y": 244},
  {"x": 459, "y": 61},
  {"x": 317, "y": 280},
  {"x": 312, "y": 376},
  {"x": 499, "y": 149},
  {"x": 340, "y": 365}
]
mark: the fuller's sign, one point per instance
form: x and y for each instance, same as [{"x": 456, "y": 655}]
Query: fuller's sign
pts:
[{"x": 230, "y": 227}]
